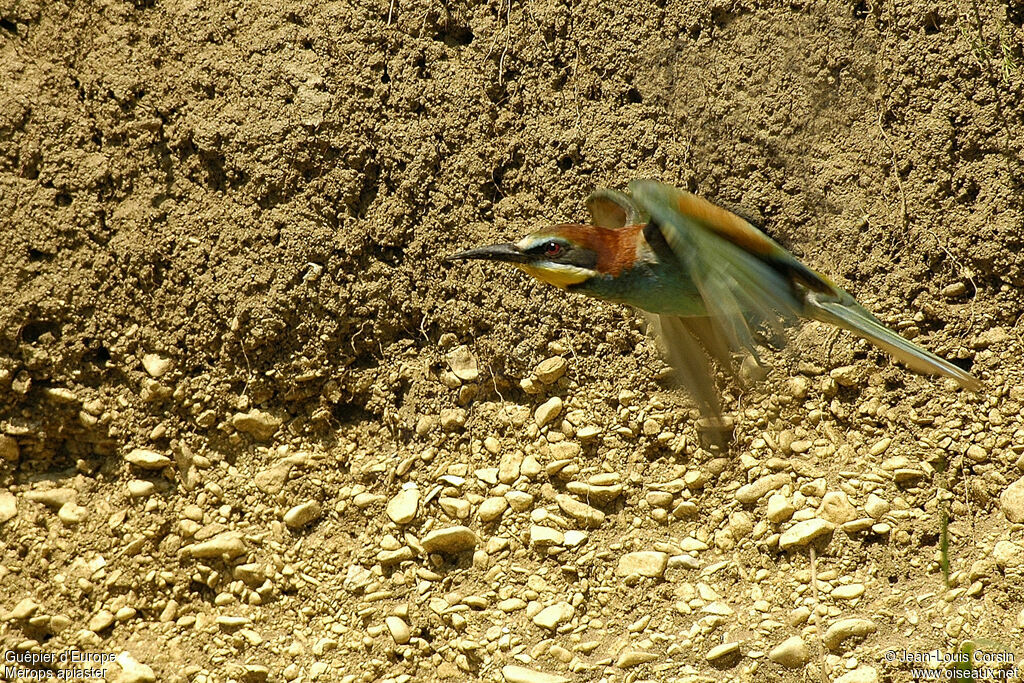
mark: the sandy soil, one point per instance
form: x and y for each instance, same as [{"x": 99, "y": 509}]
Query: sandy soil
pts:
[{"x": 252, "y": 427}]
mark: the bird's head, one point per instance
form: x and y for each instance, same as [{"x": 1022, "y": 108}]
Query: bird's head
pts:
[{"x": 563, "y": 255}]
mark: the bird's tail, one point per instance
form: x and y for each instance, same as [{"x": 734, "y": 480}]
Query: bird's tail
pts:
[{"x": 855, "y": 318}]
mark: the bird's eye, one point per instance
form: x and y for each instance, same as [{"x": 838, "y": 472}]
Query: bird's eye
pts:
[{"x": 552, "y": 249}]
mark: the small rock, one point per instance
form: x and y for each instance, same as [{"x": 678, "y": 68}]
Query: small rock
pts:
[
  {"x": 547, "y": 411},
  {"x": 722, "y": 651},
  {"x": 862, "y": 674},
  {"x": 791, "y": 653},
  {"x": 780, "y": 509},
  {"x": 8, "y": 448},
  {"x": 977, "y": 453},
  {"x": 836, "y": 508},
  {"x": 954, "y": 290},
  {"x": 71, "y": 514},
  {"x": 8, "y": 506},
  {"x": 302, "y": 514},
  {"x": 876, "y": 506},
  {"x": 403, "y": 506},
  {"x": 555, "y": 615},
  {"x": 139, "y": 488},
  {"x": 228, "y": 543},
  {"x": 508, "y": 467},
  {"x": 752, "y": 492},
  {"x": 1008, "y": 555},
  {"x": 271, "y": 481},
  {"x": 133, "y": 671},
  {"x": 492, "y": 508},
  {"x": 156, "y": 365},
  {"x": 551, "y": 369},
  {"x": 256, "y": 423},
  {"x": 147, "y": 460},
  {"x": 463, "y": 364},
  {"x": 1011, "y": 502},
  {"x": 847, "y": 628},
  {"x": 52, "y": 498},
  {"x": 457, "y": 508},
  {"x": 802, "y": 533},
  {"x": 848, "y": 592},
  {"x": 452, "y": 540},
  {"x": 847, "y": 375},
  {"x": 645, "y": 563},
  {"x": 520, "y": 674},
  {"x": 631, "y": 658},
  {"x": 591, "y": 517},
  {"x": 23, "y": 610},
  {"x": 398, "y": 629},
  {"x": 453, "y": 419},
  {"x": 100, "y": 621},
  {"x": 542, "y": 536}
]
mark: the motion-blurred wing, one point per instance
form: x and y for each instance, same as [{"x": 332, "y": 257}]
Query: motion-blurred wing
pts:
[
  {"x": 612, "y": 209},
  {"x": 743, "y": 276}
]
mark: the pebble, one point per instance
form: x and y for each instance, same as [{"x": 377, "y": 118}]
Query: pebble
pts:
[
  {"x": 520, "y": 674},
  {"x": 977, "y": 453},
  {"x": 600, "y": 494},
  {"x": 645, "y": 563},
  {"x": 722, "y": 651},
  {"x": 836, "y": 508},
  {"x": 631, "y": 658},
  {"x": 553, "y": 616},
  {"x": 802, "y": 533},
  {"x": 791, "y": 653},
  {"x": 1008, "y": 555},
  {"x": 403, "y": 506},
  {"x": 551, "y": 369},
  {"x": 587, "y": 515},
  {"x": 547, "y": 411},
  {"x": 452, "y": 540},
  {"x": 847, "y": 375},
  {"x": 848, "y": 592},
  {"x": 140, "y": 488},
  {"x": 156, "y": 365},
  {"x": 398, "y": 629},
  {"x": 8, "y": 448},
  {"x": 133, "y": 671},
  {"x": 876, "y": 506},
  {"x": 70, "y": 513},
  {"x": 456, "y": 508},
  {"x": 272, "y": 480},
  {"x": 100, "y": 621},
  {"x": 492, "y": 508},
  {"x": 508, "y": 467},
  {"x": 463, "y": 364},
  {"x": 256, "y": 423},
  {"x": 862, "y": 674},
  {"x": 453, "y": 419},
  {"x": 147, "y": 460},
  {"x": 752, "y": 492},
  {"x": 543, "y": 536},
  {"x": 53, "y": 498},
  {"x": 228, "y": 543},
  {"x": 780, "y": 509},
  {"x": 302, "y": 514},
  {"x": 1011, "y": 502},
  {"x": 8, "y": 506},
  {"x": 847, "y": 628},
  {"x": 520, "y": 501},
  {"x": 23, "y": 610}
]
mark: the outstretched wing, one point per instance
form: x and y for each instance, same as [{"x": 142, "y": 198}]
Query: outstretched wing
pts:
[{"x": 744, "y": 277}]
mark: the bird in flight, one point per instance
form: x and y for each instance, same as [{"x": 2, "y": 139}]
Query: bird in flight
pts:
[{"x": 707, "y": 277}]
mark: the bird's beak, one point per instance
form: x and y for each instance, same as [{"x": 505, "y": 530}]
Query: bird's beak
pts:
[{"x": 509, "y": 253}]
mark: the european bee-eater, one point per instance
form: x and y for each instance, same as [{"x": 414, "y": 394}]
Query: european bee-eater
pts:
[{"x": 708, "y": 276}]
